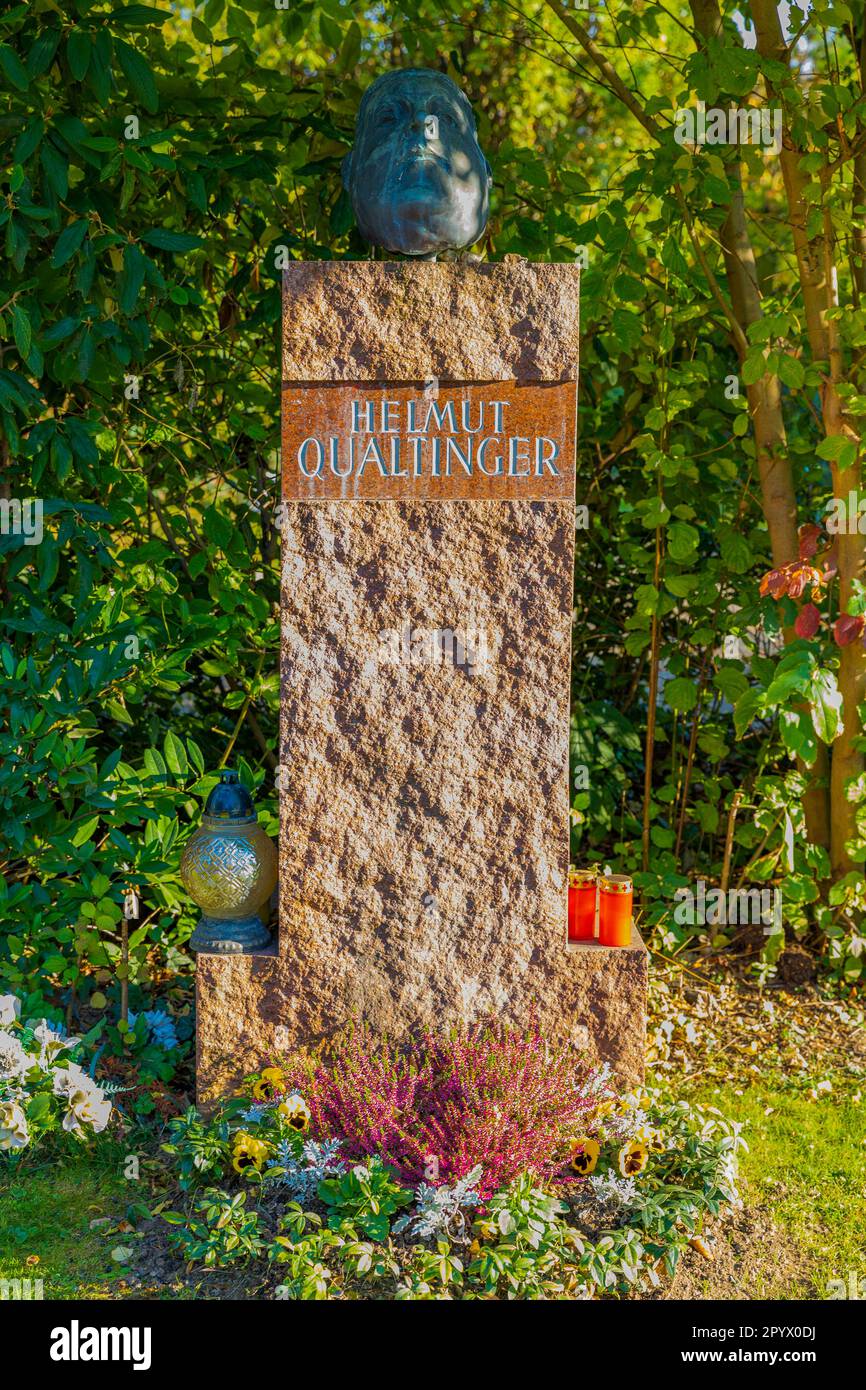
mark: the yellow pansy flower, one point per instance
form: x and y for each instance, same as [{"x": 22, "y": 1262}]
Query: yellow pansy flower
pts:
[
  {"x": 584, "y": 1156},
  {"x": 269, "y": 1083},
  {"x": 652, "y": 1138},
  {"x": 633, "y": 1158},
  {"x": 296, "y": 1113},
  {"x": 248, "y": 1152}
]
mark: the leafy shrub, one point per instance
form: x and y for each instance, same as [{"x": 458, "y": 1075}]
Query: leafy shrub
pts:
[
  {"x": 221, "y": 1232},
  {"x": 367, "y": 1196}
]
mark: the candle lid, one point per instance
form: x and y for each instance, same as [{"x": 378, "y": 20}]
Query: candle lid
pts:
[
  {"x": 582, "y": 876},
  {"x": 615, "y": 883}
]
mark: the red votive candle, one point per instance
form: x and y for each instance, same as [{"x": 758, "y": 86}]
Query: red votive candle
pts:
[
  {"x": 582, "y": 888},
  {"x": 615, "y": 898}
]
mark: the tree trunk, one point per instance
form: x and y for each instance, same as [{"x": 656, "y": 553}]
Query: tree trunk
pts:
[
  {"x": 816, "y": 265},
  {"x": 778, "y": 496}
]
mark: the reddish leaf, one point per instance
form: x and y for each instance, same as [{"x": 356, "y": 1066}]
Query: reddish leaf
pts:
[
  {"x": 775, "y": 583},
  {"x": 808, "y": 621},
  {"x": 809, "y": 535},
  {"x": 830, "y": 561},
  {"x": 228, "y": 312},
  {"x": 801, "y": 576},
  {"x": 847, "y": 629}
]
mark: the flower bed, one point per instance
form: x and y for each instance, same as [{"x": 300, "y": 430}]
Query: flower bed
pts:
[
  {"x": 483, "y": 1165},
  {"x": 43, "y": 1089}
]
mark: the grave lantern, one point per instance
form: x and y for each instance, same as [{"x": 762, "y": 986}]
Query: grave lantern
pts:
[{"x": 229, "y": 869}]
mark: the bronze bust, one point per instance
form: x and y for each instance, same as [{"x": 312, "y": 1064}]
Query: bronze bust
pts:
[{"x": 418, "y": 181}]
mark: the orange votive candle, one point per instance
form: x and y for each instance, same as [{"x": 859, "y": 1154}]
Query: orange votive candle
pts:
[
  {"x": 582, "y": 889},
  {"x": 615, "y": 900}
]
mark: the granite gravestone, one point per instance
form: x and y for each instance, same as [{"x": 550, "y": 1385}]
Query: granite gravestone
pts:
[{"x": 429, "y": 417}]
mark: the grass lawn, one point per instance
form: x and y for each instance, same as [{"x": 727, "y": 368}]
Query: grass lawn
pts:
[
  {"x": 803, "y": 1185},
  {"x": 53, "y": 1222},
  {"x": 792, "y": 1069}
]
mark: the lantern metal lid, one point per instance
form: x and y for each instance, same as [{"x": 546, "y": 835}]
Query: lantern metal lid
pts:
[{"x": 230, "y": 803}]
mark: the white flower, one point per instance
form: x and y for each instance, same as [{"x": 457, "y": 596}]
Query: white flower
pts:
[
  {"x": 50, "y": 1044},
  {"x": 10, "y": 1009},
  {"x": 14, "y": 1061},
  {"x": 70, "y": 1078},
  {"x": 87, "y": 1108},
  {"x": 13, "y": 1126},
  {"x": 88, "y": 1105}
]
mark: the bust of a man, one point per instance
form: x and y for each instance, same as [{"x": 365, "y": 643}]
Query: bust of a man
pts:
[{"x": 418, "y": 181}]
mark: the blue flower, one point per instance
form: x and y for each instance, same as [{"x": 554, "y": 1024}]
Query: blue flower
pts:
[{"x": 160, "y": 1028}]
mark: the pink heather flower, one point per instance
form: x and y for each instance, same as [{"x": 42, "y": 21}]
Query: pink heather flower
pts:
[{"x": 437, "y": 1106}]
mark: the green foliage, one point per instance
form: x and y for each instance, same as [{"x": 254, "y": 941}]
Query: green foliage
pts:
[
  {"x": 201, "y": 1149},
  {"x": 222, "y": 1232},
  {"x": 367, "y": 1195},
  {"x": 529, "y": 1243}
]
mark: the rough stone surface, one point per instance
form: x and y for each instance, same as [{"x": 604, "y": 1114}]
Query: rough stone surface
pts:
[
  {"x": 255, "y": 1008},
  {"x": 461, "y": 320},
  {"x": 424, "y": 816}
]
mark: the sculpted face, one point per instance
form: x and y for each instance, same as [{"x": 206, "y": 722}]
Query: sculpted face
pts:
[{"x": 418, "y": 181}]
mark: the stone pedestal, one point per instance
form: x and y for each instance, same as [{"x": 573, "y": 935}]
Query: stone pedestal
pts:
[{"x": 426, "y": 640}]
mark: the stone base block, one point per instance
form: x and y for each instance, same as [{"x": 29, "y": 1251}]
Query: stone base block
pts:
[{"x": 255, "y": 1008}]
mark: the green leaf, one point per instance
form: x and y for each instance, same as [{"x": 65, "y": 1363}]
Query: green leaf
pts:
[
  {"x": 175, "y": 755},
  {"x": 165, "y": 240},
  {"x": 84, "y": 832},
  {"x": 330, "y": 32},
  {"x": 793, "y": 681},
  {"x": 839, "y": 450},
  {"x": 68, "y": 242},
  {"x": 131, "y": 278},
  {"x": 681, "y": 694},
  {"x": 28, "y": 140},
  {"x": 56, "y": 168},
  {"x": 736, "y": 551},
  {"x": 682, "y": 540},
  {"x": 39, "y": 1106},
  {"x": 826, "y": 703},
  {"x": 138, "y": 74},
  {"x": 21, "y": 331},
  {"x": 218, "y": 528},
  {"x": 78, "y": 47},
  {"x": 731, "y": 682},
  {"x": 791, "y": 371},
  {"x": 137, "y": 16},
  {"x": 42, "y": 52},
  {"x": 13, "y": 68},
  {"x": 746, "y": 710}
]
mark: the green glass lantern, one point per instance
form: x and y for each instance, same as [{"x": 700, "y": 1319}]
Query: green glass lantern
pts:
[{"x": 229, "y": 869}]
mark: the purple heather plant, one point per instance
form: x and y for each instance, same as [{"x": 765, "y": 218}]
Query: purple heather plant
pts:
[{"x": 435, "y": 1107}]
